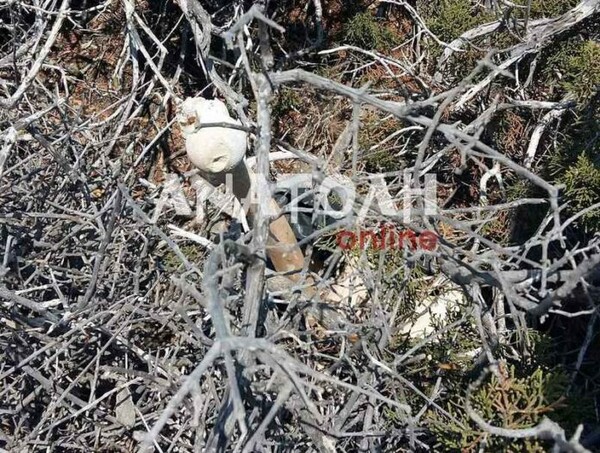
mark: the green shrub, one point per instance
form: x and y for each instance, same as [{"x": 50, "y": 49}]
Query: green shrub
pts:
[
  {"x": 381, "y": 161},
  {"x": 363, "y": 30},
  {"x": 513, "y": 402},
  {"x": 582, "y": 189},
  {"x": 575, "y": 163},
  {"x": 373, "y": 131},
  {"x": 287, "y": 101},
  {"x": 582, "y": 72},
  {"x": 449, "y": 19},
  {"x": 576, "y": 65},
  {"x": 548, "y": 8}
]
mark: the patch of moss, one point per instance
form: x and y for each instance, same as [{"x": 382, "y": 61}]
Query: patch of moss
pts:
[
  {"x": 509, "y": 133},
  {"x": 500, "y": 40},
  {"x": 381, "y": 161},
  {"x": 192, "y": 252},
  {"x": 497, "y": 228}
]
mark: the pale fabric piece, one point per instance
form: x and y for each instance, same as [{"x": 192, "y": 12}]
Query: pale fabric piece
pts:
[
  {"x": 438, "y": 307},
  {"x": 211, "y": 149},
  {"x": 349, "y": 288}
]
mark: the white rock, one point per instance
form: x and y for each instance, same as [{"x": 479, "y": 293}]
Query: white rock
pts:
[
  {"x": 211, "y": 149},
  {"x": 125, "y": 409}
]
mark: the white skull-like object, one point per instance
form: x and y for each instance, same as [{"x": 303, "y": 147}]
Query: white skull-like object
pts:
[{"x": 211, "y": 149}]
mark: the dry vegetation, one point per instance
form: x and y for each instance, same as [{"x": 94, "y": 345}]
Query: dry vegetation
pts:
[{"x": 122, "y": 324}]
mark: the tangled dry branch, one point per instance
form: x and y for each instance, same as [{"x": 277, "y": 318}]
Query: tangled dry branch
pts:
[{"x": 125, "y": 328}]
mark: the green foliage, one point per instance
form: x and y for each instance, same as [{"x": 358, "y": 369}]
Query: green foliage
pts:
[
  {"x": 449, "y": 19},
  {"x": 577, "y": 65},
  {"x": 582, "y": 188},
  {"x": 526, "y": 219},
  {"x": 576, "y": 165},
  {"x": 287, "y": 101},
  {"x": 451, "y": 351},
  {"x": 373, "y": 131},
  {"x": 513, "y": 402},
  {"x": 576, "y": 161},
  {"x": 363, "y": 30},
  {"x": 582, "y": 72},
  {"x": 497, "y": 227},
  {"x": 548, "y": 8},
  {"x": 397, "y": 276},
  {"x": 381, "y": 161},
  {"x": 500, "y": 40},
  {"x": 192, "y": 252}
]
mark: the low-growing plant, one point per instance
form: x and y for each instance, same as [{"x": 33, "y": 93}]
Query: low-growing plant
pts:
[
  {"x": 373, "y": 131},
  {"x": 582, "y": 72},
  {"x": 582, "y": 189},
  {"x": 363, "y": 30},
  {"x": 172, "y": 262},
  {"x": 512, "y": 401},
  {"x": 574, "y": 67},
  {"x": 449, "y": 19},
  {"x": 547, "y": 8},
  {"x": 575, "y": 163},
  {"x": 287, "y": 100}
]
